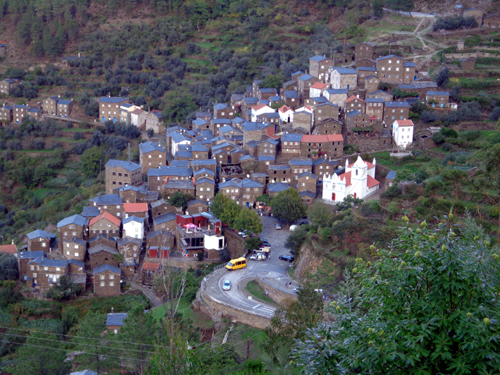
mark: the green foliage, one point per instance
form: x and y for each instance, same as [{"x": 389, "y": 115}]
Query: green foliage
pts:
[
  {"x": 443, "y": 77},
  {"x": 288, "y": 206},
  {"x": 436, "y": 309},
  {"x": 93, "y": 161},
  {"x": 403, "y": 5},
  {"x": 248, "y": 220},
  {"x": 230, "y": 213},
  {"x": 438, "y": 138},
  {"x": 320, "y": 214},
  {"x": 349, "y": 202},
  {"x": 218, "y": 204},
  {"x": 325, "y": 234},
  {"x": 454, "y": 22},
  {"x": 65, "y": 290},
  {"x": 296, "y": 239},
  {"x": 8, "y": 267},
  {"x": 179, "y": 199},
  {"x": 252, "y": 243},
  {"x": 272, "y": 81}
]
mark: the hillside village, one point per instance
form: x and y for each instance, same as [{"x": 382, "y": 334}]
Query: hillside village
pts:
[{"x": 318, "y": 134}]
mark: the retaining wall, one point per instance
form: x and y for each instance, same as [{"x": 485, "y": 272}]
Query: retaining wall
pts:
[{"x": 276, "y": 294}]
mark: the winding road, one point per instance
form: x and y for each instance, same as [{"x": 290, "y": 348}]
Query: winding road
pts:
[{"x": 273, "y": 268}]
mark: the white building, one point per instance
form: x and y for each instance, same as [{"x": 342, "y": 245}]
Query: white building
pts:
[
  {"x": 213, "y": 242},
  {"x": 178, "y": 139},
  {"x": 358, "y": 181},
  {"x": 286, "y": 114},
  {"x": 402, "y": 132},
  {"x": 133, "y": 226},
  {"x": 343, "y": 78},
  {"x": 317, "y": 89},
  {"x": 258, "y": 110}
]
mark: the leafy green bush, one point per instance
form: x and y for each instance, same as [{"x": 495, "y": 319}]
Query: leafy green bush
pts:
[{"x": 447, "y": 147}]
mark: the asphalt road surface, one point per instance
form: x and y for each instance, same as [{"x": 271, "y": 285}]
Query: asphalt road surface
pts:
[{"x": 273, "y": 268}]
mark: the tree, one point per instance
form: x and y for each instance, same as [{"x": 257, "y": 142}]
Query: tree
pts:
[
  {"x": 272, "y": 81},
  {"x": 42, "y": 354},
  {"x": 179, "y": 199},
  {"x": 350, "y": 202},
  {"x": 248, "y": 220},
  {"x": 252, "y": 243},
  {"x": 393, "y": 209},
  {"x": 443, "y": 77},
  {"x": 428, "y": 305},
  {"x": 288, "y": 206},
  {"x": 65, "y": 290},
  {"x": 230, "y": 213},
  {"x": 218, "y": 204},
  {"x": 92, "y": 161},
  {"x": 292, "y": 319},
  {"x": 320, "y": 214},
  {"x": 8, "y": 267},
  {"x": 378, "y": 8}
]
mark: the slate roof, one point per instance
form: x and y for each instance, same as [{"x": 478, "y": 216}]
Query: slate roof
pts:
[
  {"x": 204, "y": 162},
  {"x": 34, "y": 110},
  {"x": 128, "y": 165},
  {"x": 75, "y": 219},
  {"x": 391, "y": 175},
  {"x": 247, "y": 157},
  {"x": 251, "y": 126},
  {"x": 274, "y": 98},
  {"x": 107, "y": 99},
  {"x": 276, "y": 187},
  {"x": 369, "y": 43},
  {"x": 250, "y": 100},
  {"x": 291, "y": 137},
  {"x": 219, "y": 106},
  {"x": 305, "y": 162},
  {"x": 84, "y": 372},
  {"x": 353, "y": 113},
  {"x": 160, "y": 232},
  {"x": 322, "y": 160},
  {"x": 107, "y": 267},
  {"x": 100, "y": 247},
  {"x": 77, "y": 240},
  {"x": 266, "y": 158},
  {"x": 345, "y": 70},
  {"x": 279, "y": 167},
  {"x": 126, "y": 240},
  {"x": 367, "y": 68},
  {"x": 199, "y": 122},
  {"x": 149, "y": 147},
  {"x": 249, "y": 183},
  {"x": 230, "y": 183},
  {"x": 374, "y": 100},
  {"x": 184, "y": 154},
  {"x": 297, "y": 73},
  {"x": 202, "y": 114},
  {"x": 271, "y": 141},
  {"x": 40, "y": 233},
  {"x": 228, "y": 128},
  {"x": 305, "y": 77},
  {"x": 271, "y": 115},
  {"x": 380, "y": 92},
  {"x": 30, "y": 254},
  {"x": 410, "y": 64},
  {"x": 159, "y": 203},
  {"x": 116, "y": 319},
  {"x": 133, "y": 218},
  {"x": 305, "y": 174},
  {"x": 49, "y": 262},
  {"x": 169, "y": 216},
  {"x": 439, "y": 93},
  {"x": 99, "y": 236},
  {"x": 108, "y": 199},
  {"x": 171, "y": 171},
  {"x": 336, "y": 91},
  {"x": 252, "y": 143},
  {"x": 307, "y": 193},
  {"x": 205, "y": 180},
  {"x": 180, "y": 163},
  {"x": 76, "y": 262},
  {"x": 204, "y": 170},
  {"x": 179, "y": 184},
  {"x": 388, "y": 57},
  {"x": 320, "y": 99},
  {"x": 179, "y": 137},
  {"x": 317, "y": 58},
  {"x": 397, "y": 105},
  {"x": 65, "y": 101}
]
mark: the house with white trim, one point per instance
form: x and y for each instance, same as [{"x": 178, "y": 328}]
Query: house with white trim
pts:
[{"x": 402, "y": 132}]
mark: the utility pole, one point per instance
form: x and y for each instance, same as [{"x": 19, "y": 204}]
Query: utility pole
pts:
[
  {"x": 248, "y": 348},
  {"x": 129, "y": 152}
]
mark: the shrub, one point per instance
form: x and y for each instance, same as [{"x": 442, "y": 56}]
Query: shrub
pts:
[
  {"x": 428, "y": 116},
  {"x": 438, "y": 138},
  {"x": 447, "y": 147}
]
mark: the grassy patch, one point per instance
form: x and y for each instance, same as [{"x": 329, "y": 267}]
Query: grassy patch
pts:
[
  {"x": 396, "y": 164},
  {"x": 206, "y": 45},
  {"x": 45, "y": 151},
  {"x": 41, "y": 193},
  {"x": 199, "y": 319},
  {"x": 290, "y": 35},
  {"x": 256, "y": 290},
  {"x": 103, "y": 305},
  {"x": 78, "y": 130},
  {"x": 195, "y": 61}
]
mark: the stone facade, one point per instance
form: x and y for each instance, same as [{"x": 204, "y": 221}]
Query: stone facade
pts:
[
  {"x": 328, "y": 126},
  {"x": 107, "y": 281},
  {"x": 391, "y": 69},
  {"x": 75, "y": 248},
  {"x": 46, "y": 272},
  {"x": 151, "y": 156},
  {"x": 329, "y": 145},
  {"x": 100, "y": 255},
  {"x": 120, "y": 173},
  {"x": 364, "y": 51},
  {"x": 105, "y": 224}
]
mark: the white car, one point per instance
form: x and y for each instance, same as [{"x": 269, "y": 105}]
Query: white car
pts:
[
  {"x": 293, "y": 227},
  {"x": 243, "y": 233},
  {"x": 258, "y": 257},
  {"x": 226, "y": 285}
]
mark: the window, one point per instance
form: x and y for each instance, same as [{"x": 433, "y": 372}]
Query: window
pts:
[
  {"x": 102, "y": 283},
  {"x": 77, "y": 254},
  {"x": 111, "y": 283},
  {"x": 102, "y": 277},
  {"x": 45, "y": 268},
  {"x": 32, "y": 268},
  {"x": 111, "y": 277},
  {"x": 44, "y": 244}
]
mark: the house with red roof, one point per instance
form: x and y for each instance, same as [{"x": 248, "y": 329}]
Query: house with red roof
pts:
[
  {"x": 258, "y": 110},
  {"x": 317, "y": 89},
  {"x": 358, "y": 180},
  {"x": 402, "y": 132},
  {"x": 136, "y": 209},
  {"x": 354, "y": 103},
  {"x": 106, "y": 224},
  {"x": 286, "y": 114}
]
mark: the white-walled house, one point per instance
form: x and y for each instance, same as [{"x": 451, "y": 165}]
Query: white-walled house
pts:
[
  {"x": 179, "y": 139},
  {"x": 286, "y": 114},
  {"x": 133, "y": 226},
  {"x": 402, "y": 132},
  {"x": 317, "y": 89},
  {"x": 214, "y": 242},
  {"x": 358, "y": 181},
  {"x": 258, "y": 110}
]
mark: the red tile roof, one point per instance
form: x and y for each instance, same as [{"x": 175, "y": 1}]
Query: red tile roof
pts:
[
  {"x": 135, "y": 207},
  {"x": 369, "y": 165},
  {"x": 107, "y": 216},
  {"x": 285, "y": 108},
  {"x": 9, "y": 249},
  {"x": 404, "y": 122},
  {"x": 350, "y": 99},
  {"x": 371, "y": 182},
  {"x": 260, "y": 106},
  {"x": 151, "y": 266},
  {"x": 346, "y": 177},
  {"x": 321, "y": 138},
  {"x": 319, "y": 85}
]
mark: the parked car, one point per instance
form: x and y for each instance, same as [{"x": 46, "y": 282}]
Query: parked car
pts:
[
  {"x": 277, "y": 226},
  {"x": 258, "y": 256},
  {"x": 243, "y": 233},
  {"x": 293, "y": 227},
  {"x": 226, "y": 285},
  {"x": 288, "y": 258},
  {"x": 266, "y": 243},
  {"x": 265, "y": 249},
  {"x": 304, "y": 223}
]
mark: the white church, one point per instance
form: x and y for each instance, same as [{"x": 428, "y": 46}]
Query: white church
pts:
[{"x": 358, "y": 180}]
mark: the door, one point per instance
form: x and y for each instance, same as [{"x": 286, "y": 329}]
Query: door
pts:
[
  {"x": 355, "y": 195},
  {"x": 347, "y": 87},
  {"x": 114, "y": 120},
  {"x": 103, "y": 119},
  {"x": 333, "y": 196}
]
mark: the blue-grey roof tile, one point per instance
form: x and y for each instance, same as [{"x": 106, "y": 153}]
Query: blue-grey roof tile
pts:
[
  {"x": 107, "y": 267},
  {"x": 128, "y": 165},
  {"x": 75, "y": 219}
]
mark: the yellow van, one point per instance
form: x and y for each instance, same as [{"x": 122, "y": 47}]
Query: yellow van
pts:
[{"x": 237, "y": 263}]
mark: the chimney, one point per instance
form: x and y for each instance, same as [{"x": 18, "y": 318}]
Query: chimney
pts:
[
  {"x": 357, "y": 96},
  {"x": 79, "y": 54},
  {"x": 13, "y": 242},
  {"x": 112, "y": 309}
]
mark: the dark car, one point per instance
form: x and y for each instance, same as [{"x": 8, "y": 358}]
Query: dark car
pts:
[
  {"x": 304, "y": 223},
  {"x": 288, "y": 258}
]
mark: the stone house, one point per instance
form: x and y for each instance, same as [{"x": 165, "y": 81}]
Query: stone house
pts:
[
  {"x": 363, "y": 73},
  {"x": 102, "y": 254},
  {"x": 325, "y": 111},
  {"x": 356, "y": 120},
  {"x": 75, "y": 248},
  {"x": 251, "y": 148},
  {"x": 136, "y": 209},
  {"x": 391, "y": 69},
  {"x": 492, "y": 21},
  {"x": 130, "y": 247},
  {"x": 199, "y": 151},
  {"x": 110, "y": 203},
  {"x": 7, "y": 84},
  {"x": 161, "y": 207},
  {"x": 75, "y": 226},
  {"x": 134, "y": 227},
  {"x": 328, "y": 145},
  {"x": 375, "y": 108},
  {"x": 204, "y": 173},
  {"x": 396, "y": 111},
  {"x": 102, "y": 239},
  {"x": 20, "y": 111},
  {"x": 231, "y": 189},
  {"x": 50, "y": 105},
  {"x": 318, "y": 67},
  {"x": 250, "y": 190},
  {"x": 267, "y": 147},
  {"x": 323, "y": 166},
  {"x": 271, "y": 118},
  {"x": 217, "y": 124},
  {"x": 105, "y": 223},
  {"x": 307, "y": 181},
  {"x": 221, "y": 110},
  {"x": 274, "y": 188},
  {"x": 254, "y": 131},
  {"x": 336, "y": 96},
  {"x": 264, "y": 161},
  {"x": 259, "y": 110},
  {"x": 304, "y": 83},
  {"x": 204, "y": 163},
  {"x": 205, "y": 189},
  {"x": 160, "y": 239},
  {"x": 40, "y": 240},
  {"x": 410, "y": 69},
  {"x": 299, "y": 166},
  {"x": 302, "y": 120},
  {"x": 235, "y": 155},
  {"x": 364, "y": 50},
  {"x": 468, "y": 64},
  {"x": 151, "y": 155},
  {"x": 280, "y": 173},
  {"x": 35, "y": 113},
  {"x": 114, "y": 322},
  {"x": 246, "y": 106},
  {"x": 439, "y": 99},
  {"x": 152, "y": 120},
  {"x": 221, "y": 156},
  {"x": 121, "y": 172},
  {"x": 249, "y": 163},
  {"x": 165, "y": 222},
  {"x": 328, "y": 126},
  {"x": 197, "y": 206},
  {"x": 65, "y": 107},
  {"x": 266, "y": 93},
  {"x": 107, "y": 281},
  {"x": 227, "y": 131},
  {"x": 6, "y": 114},
  {"x": 183, "y": 186},
  {"x": 291, "y": 98},
  {"x": 354, "y": 103},
  {"x": 200, "y": 124},
  {"x": 45, "y": 272},
  {"x": 23, "y": 258},
  {"x": 379, "y": 94},
  {"x": 371, "y": 83},
  {"x": 343, "y": 78},
  {"x": 366, "y": 63},
  {"x": 261, "y": 177},
  {"x": 307, "y": 197},
  {"x": 109, "y": 108},
  {"x": 290, "y": 145},
  {"x": 136, "y": 194},
  {"x": 158, "y": 177},
  {"x": 76, "y": 270}
]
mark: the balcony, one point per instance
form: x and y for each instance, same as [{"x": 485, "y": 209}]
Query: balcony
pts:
[{"x": 195, "y": 232}]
